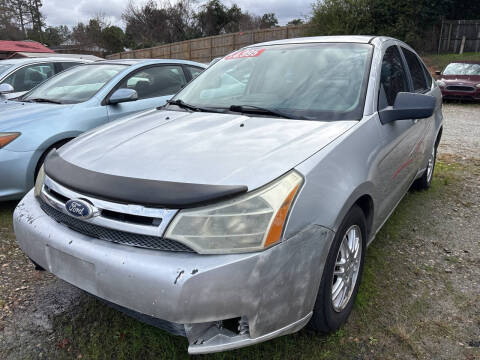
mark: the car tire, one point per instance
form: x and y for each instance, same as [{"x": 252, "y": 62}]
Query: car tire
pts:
[
  {"x": 424, "y": 182},
  {"x": 330, "y": 312}
]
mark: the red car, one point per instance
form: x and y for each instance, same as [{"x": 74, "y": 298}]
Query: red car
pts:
[{"x": 460, "y": 80}]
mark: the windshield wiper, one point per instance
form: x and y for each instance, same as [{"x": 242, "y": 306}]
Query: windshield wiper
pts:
[
  {"x": 184, "y": 105},
  {"x": 42, "y": 100},
  {"x": 259, "y": 110}
]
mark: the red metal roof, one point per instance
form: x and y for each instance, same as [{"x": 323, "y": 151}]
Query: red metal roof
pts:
[{"x": 30, "y": 46}]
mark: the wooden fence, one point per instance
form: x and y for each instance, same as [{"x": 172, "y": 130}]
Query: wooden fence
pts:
[
  {"x": 442, "y": 38},
  {"x": 459, "y": 36},
  {"x": 208, "y": 48}
]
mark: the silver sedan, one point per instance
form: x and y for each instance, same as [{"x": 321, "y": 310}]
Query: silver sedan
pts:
[{"x": 242, "y": 210}]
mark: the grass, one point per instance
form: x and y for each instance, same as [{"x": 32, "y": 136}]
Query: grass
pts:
[
  {"x": 99, "y": 332},
  {"x": 439, "y": 62}
]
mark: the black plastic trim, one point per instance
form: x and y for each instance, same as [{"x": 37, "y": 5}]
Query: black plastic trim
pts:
[{"x": 164, "y": 194}]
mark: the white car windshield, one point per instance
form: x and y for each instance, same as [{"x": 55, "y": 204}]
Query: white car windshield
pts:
[
  {"x": 74, "y": 85},
  {"x": 462, "y": 69},
  {"x": 315, "y": 81}
]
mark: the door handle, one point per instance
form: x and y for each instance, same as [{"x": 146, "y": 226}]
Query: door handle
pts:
[{"x": 415, "y": 121}]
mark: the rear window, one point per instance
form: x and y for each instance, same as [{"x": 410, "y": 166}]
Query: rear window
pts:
[{"x": 416, "y": 71}]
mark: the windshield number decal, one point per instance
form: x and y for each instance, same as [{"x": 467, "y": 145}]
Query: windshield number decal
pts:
[{"x": 248, "y": 53}]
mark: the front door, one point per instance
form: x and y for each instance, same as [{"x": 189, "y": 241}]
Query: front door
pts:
[
  {"x": 154, "y": 86},
  {"x": 400, "y": 138}
]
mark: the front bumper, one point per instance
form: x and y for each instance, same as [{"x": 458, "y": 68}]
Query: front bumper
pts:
[
  {"x": 16, "y": 173},
  {"x": 274, "y": 289},
  {"x": 460, "y": 95}
]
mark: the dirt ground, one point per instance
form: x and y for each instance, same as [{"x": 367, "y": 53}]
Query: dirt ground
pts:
[{"x": 419, "y": 299}]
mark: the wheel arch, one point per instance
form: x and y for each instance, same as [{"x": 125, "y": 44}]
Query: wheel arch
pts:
[
  {"x": 363, "y": 198},
  {"x": 439, "y": 136},
  {"x": 42, "y": 150}
]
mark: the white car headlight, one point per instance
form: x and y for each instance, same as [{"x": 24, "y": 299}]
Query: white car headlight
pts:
[
  {"x": 250, "y": 222},
  {"x": 441, "y": 83},
  {"x": 478, "y": 86},
  {"x": 39, "y": 182}
]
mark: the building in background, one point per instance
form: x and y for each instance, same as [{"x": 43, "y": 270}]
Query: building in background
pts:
[{"x": 10, "y": 48}]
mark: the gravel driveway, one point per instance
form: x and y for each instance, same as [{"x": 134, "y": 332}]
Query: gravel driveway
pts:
[
  {"x": 419, "y": 298},
  {"x": 461, "y": 135}
]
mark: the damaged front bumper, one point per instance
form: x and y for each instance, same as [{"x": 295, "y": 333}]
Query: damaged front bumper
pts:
[{"x": 269, "y": 293}]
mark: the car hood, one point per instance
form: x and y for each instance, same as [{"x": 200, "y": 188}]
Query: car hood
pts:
[
  {"x": 202, "y": 148},
  {"x": 464, "y": 79},
  {"x": 14, "y": 114}
]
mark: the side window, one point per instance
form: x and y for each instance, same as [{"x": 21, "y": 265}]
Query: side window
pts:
[
  {"x": 427, "y": 75},
  {"x": 30, "y": 76},
  {"x": 416, "y": 71},
  {"x": 68, "y": 65},
  {"x": 156, "y": 81},
  {"x": 392, "y": 79},
  {"x": 194, "y": 71}
]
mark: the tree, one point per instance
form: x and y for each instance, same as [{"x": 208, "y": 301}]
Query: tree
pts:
[
  {"x": 213, "y": 17},
  {"x": 157, "y": 24},
  {"x": 9, "y": 30},
  {"x": 295, "y": 22},
  {"x": 269, "y": 20},
  {"x": 54, "y": 36},
  {"x": 403, "y": 19},
  {"x": 113, "y": 39}
]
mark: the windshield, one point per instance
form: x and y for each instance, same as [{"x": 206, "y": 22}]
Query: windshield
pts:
[
  {"x": 4, "y": 67},
  {"x": 76, "y": 84},
  {"x": 321, "y": 81},
  {"x": 462, "y": 69}
]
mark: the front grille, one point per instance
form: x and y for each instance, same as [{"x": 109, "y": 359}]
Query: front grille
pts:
[
  {"x": 116, "y": 236},
  {"x": 460, "y": 88}
]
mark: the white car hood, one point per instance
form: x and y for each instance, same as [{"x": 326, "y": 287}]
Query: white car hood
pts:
[{"x": 202, "y": 148}]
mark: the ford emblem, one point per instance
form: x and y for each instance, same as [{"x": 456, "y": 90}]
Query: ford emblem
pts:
[{"x": 79, "y": 209}]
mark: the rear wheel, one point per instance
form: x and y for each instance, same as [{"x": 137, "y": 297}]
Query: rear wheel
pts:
[
  {"x": 425, "y": 181},
  {"x": 342, "y": 274}
]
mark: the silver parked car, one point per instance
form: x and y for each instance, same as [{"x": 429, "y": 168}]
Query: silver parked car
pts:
[
  {"x": 17, "y": 76},
  {"x": 242, "y": 210}
]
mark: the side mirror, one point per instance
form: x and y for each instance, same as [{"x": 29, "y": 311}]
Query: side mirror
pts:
[
  {"x": 408, "y": 106},
  {"x": 122, "y": 95},
  {"x": 438, "y": 72},
  {"x": 6, "y": 88}
]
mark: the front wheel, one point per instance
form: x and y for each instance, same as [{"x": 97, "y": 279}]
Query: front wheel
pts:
[{"x": 342, "y": 274}]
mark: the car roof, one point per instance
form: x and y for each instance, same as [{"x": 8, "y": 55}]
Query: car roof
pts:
[
  {"x": 131, "y": 62},
  {"x": 39, "y": 59},
  {"x": 362, "y": 39}
]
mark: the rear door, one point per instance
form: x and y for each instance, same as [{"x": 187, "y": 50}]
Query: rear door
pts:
[
  {"x": 154, "y": 86},
  {"x": 421, "y": 84}
]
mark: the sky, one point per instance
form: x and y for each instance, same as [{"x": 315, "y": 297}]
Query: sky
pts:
[{"x": 70, "y": 12}]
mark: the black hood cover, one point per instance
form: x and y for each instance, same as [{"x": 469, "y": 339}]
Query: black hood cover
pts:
[{"x": 153, "y": 193}]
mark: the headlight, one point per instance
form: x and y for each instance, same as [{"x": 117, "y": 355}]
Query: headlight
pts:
[
  {"x": 39, "y": 182},
  {"x": 478, "y": 86},
  {"x": 441, "y": 83},
  {"x": 7, "y": 138},
  {"x": 250, "y": 222}
]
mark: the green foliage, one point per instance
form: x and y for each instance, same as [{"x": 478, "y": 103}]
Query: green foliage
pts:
[
  {"x": 403, "y": 19},
  {"x": 113, "y": 39},
  {"x": 439, "y": 62},
  {"x": 54, "y": 36},
  {"x": 295, "y": 22},
  {"x": 268, "y": 20}
]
